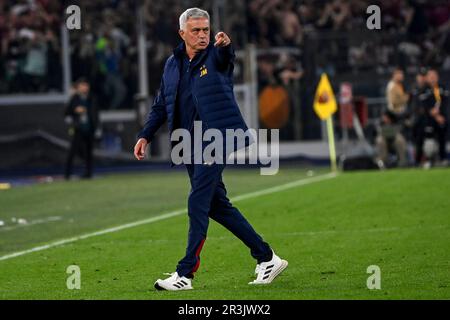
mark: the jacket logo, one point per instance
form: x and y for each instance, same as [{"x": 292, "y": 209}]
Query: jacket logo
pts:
[{"x": 203, "y": 71}]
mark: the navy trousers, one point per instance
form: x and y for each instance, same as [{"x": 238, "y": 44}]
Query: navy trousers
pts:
[{"x": 208, "y": 199}]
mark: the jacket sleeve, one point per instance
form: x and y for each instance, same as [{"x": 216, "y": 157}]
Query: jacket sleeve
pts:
[
  {"x": 156, "y": 117},
  {"x": 224, "y": 56}
]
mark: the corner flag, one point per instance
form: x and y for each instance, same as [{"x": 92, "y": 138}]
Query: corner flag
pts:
[
  {"x": 325, "y": 106},
  {"x": 324, "y": 102}
]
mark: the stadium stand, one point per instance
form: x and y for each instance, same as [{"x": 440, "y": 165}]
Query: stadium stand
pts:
[{"x": 329, "y": 36}]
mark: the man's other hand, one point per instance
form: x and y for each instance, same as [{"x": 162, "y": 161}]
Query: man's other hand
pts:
[
  {"x": 222, "y": 39},
  {"x": 139, "y": 148}
]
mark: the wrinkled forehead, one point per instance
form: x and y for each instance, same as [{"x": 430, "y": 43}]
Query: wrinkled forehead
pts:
[{"x": 201, "y": 23}]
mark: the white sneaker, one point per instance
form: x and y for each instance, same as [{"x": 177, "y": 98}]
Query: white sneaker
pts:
[
  {"x": 267, "y": 271},
  {"x": 257, "y": 269},
  {"x": 174, "y": 283}
]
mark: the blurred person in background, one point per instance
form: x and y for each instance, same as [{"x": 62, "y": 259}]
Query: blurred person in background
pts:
[
  {"x": 35, "y": 68},
  {"x": 435, "y": 104},
  {"x": 82, "y": 116},
  {"x": 54, "y": 73},
  {"x": 291, "y": 29},
  {"x": 288, "y": 73},
  {"x": 393, "y": 121},
  {"x": 336, "y": 15},
  {"x": 288, "y": 69},
  {"x": 418, "y": 111},
  {"x": 109, "y": 58},
  {"x": 13, "y": 52}
]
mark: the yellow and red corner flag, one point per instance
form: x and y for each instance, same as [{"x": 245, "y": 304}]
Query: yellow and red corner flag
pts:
[
  {"x": 324, "y": 101},
  {"x": 325, "y": 106}
]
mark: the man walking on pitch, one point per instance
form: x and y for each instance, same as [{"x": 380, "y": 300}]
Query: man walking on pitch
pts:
[{"x": 197, "y": 86}]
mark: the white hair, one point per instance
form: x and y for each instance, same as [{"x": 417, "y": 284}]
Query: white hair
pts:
[{"x": 193, "y": 13}]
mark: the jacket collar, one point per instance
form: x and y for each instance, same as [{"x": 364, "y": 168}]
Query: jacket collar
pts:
[{"x": 181, "y": 49}]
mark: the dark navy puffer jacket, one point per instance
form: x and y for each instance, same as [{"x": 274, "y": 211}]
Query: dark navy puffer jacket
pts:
[{"x": 212, "y": 91}]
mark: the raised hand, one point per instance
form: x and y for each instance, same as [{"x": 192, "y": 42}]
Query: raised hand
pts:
[{"x": 222, "y": 39}]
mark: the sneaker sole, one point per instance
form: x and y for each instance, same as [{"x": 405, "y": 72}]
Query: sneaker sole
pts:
[
  {"x": 158, "y": 287},
  {"x": 283, "y": 266}
]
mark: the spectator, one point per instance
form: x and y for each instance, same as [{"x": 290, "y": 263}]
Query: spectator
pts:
[
  {"x": 291, "y": 30},
  {"x": 396, "y": 96},
  {"x": 288, "y": 71},
  {"x": 13, "y": 52},
  {"x": 419, "y": 113},
  {"x": 391, "y": 136},
  {"x": 435, "y": 104},
  {"x": 335, "y": 16},
  {"x": 35, "y": 68},
  {"x": 30, "y": 47},
  {"x": 109, "y": 57}
]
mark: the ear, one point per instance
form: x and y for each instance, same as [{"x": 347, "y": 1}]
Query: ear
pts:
[{"x": 181, "y": 33}]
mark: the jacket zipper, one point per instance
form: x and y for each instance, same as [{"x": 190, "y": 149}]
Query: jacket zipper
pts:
[{"x": 196, "y": 107}]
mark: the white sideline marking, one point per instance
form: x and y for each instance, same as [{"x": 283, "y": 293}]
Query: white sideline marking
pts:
[{"x": 168, "y": 215}]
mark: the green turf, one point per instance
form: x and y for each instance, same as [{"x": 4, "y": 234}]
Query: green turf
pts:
[{"x": 329, "y": 231}]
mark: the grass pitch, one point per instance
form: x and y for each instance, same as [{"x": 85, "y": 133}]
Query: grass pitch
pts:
[{"x": 329, "y": 231}]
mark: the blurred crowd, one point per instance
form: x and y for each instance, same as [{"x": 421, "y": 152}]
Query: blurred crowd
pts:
[
  {"x": 30, "y": 46},
  {"x": 416, "y": 115},
  {"x": 105, "y": 50}
]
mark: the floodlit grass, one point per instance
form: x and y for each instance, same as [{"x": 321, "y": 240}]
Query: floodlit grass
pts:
[{"x": 329, "y": 231}]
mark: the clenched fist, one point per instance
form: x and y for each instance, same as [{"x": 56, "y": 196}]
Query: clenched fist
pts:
[
  {"x": 222, "y": 39},
  {"x": 139, "y": 148}
]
